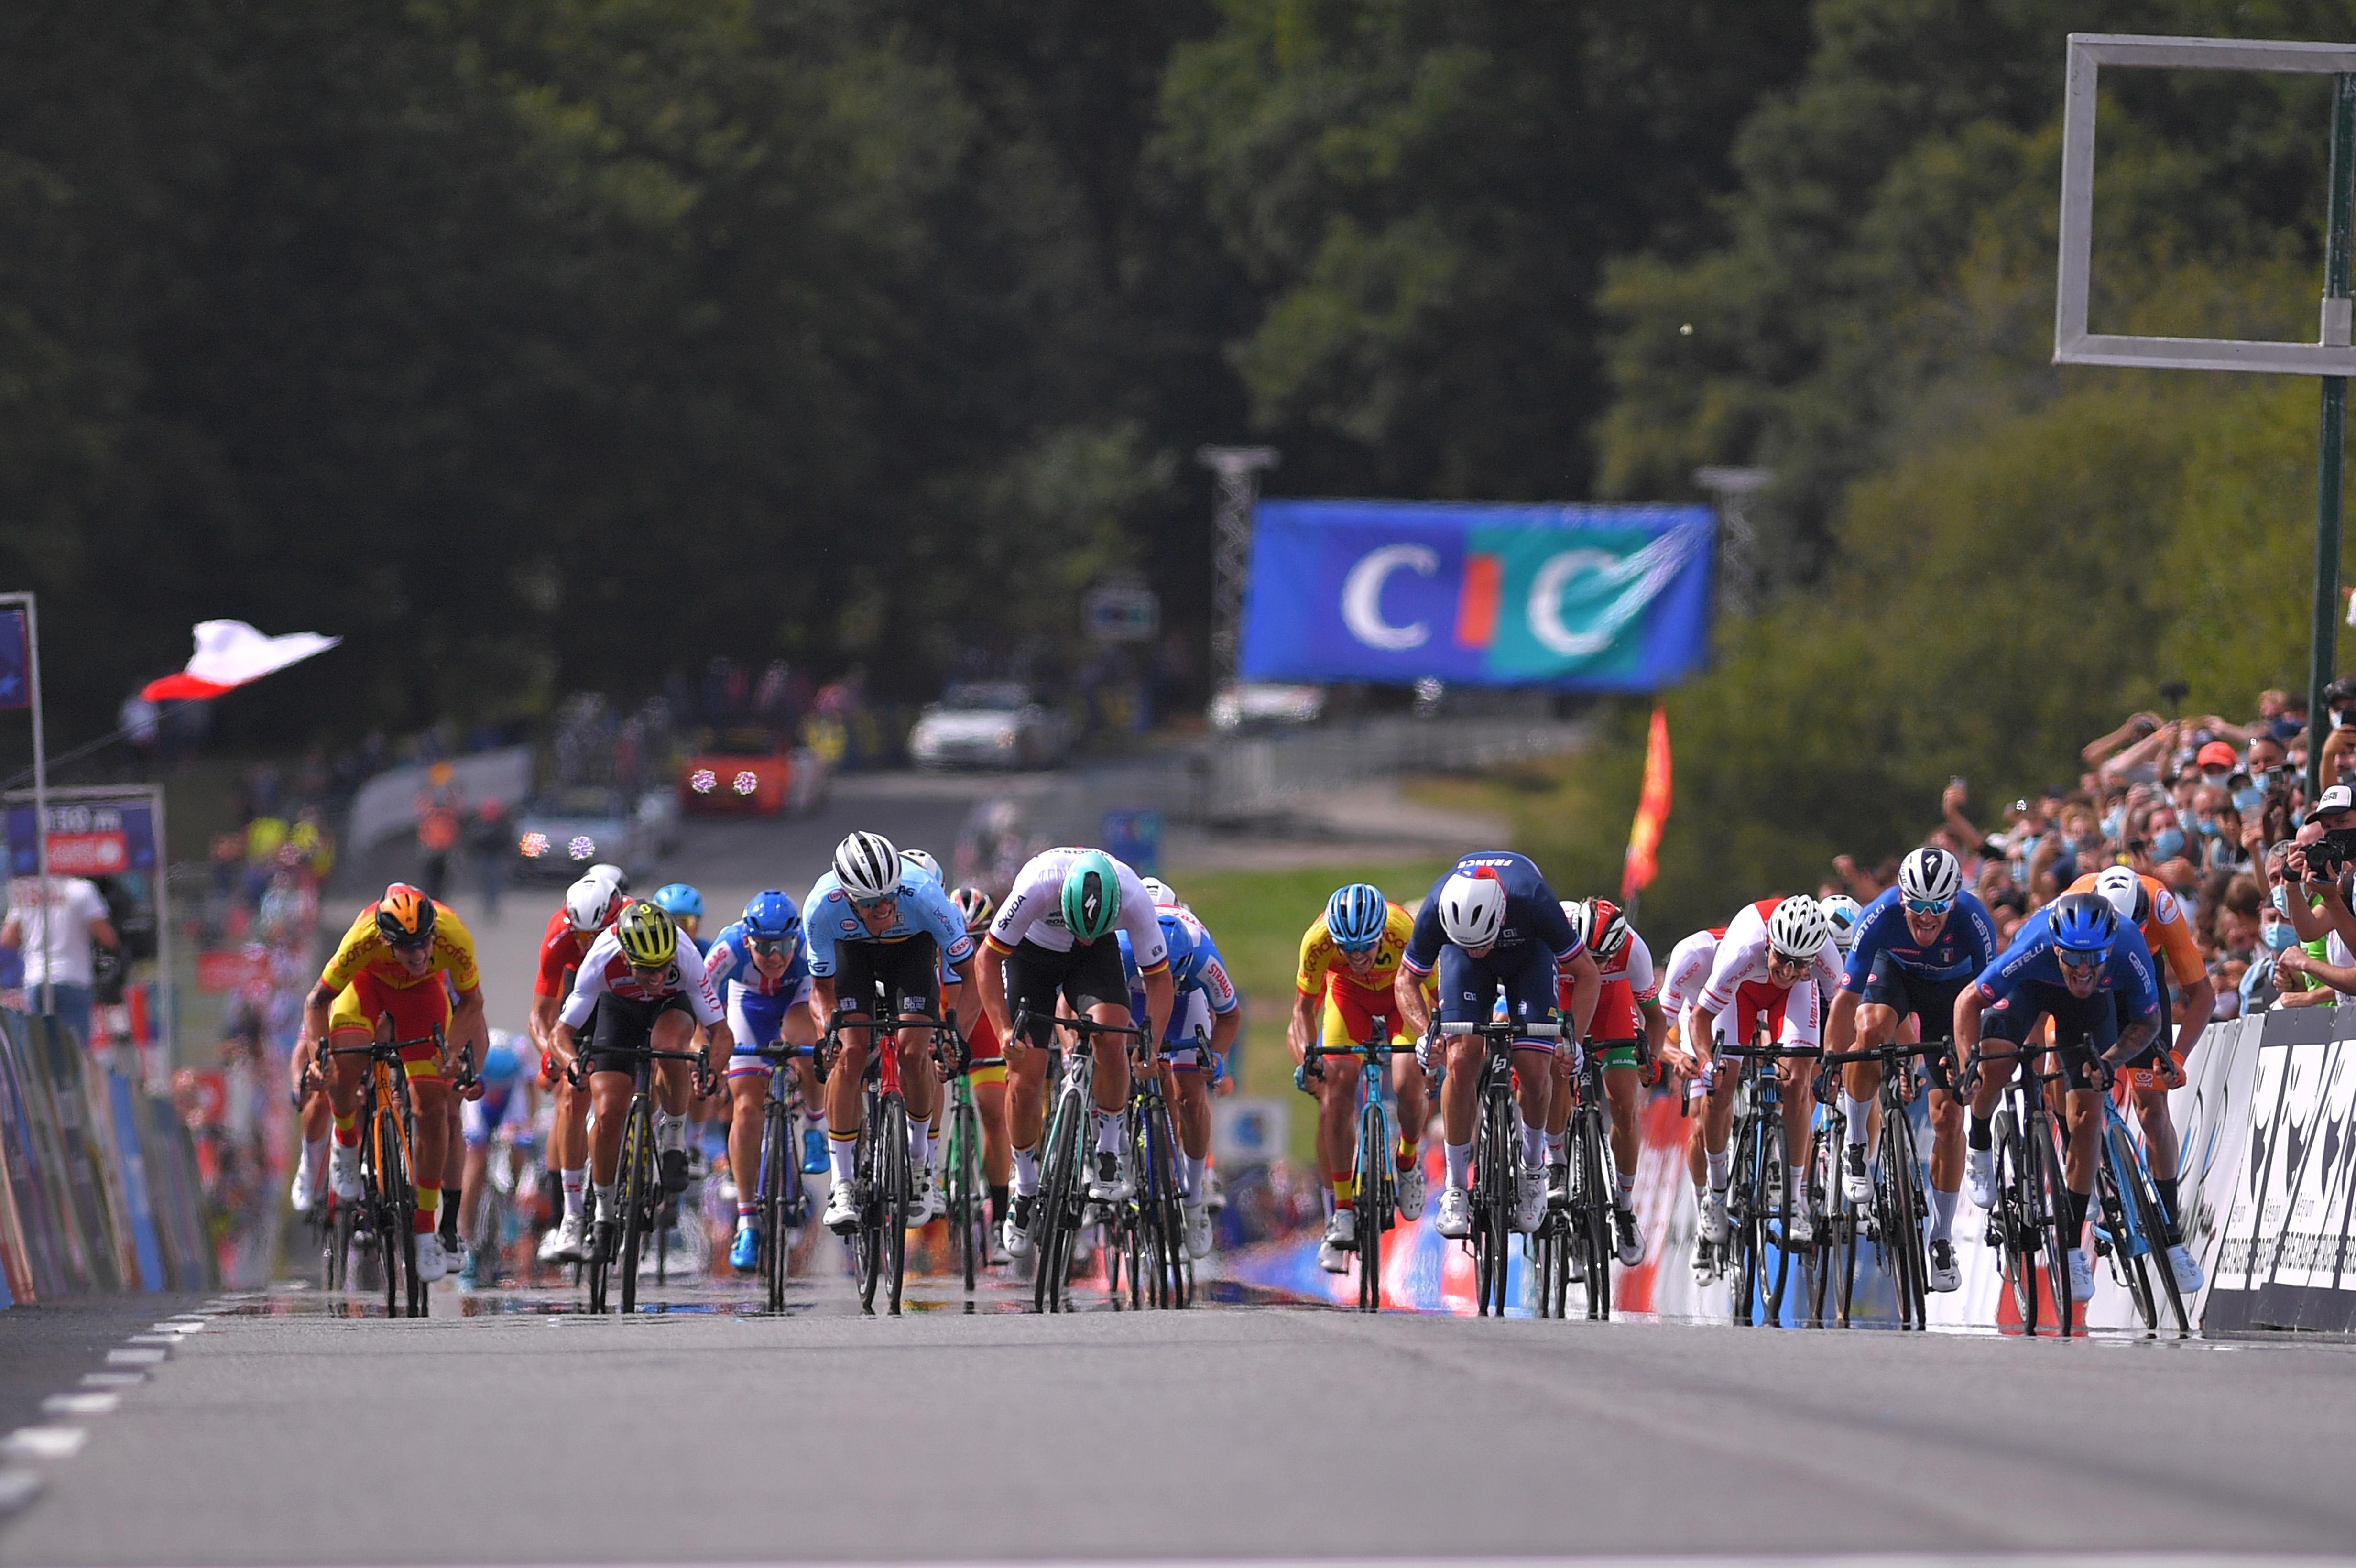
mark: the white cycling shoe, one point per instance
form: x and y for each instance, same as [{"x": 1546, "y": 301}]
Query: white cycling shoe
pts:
[
  {"x": 1110, "y": 1181},
  {"x": 304, "y": 1192},
  {"x": 1341, "y": 1239},
  {"x": 1715, "y": 1225},
  {"x": 1979, "y": 1176},
  {"x": 1015, "y": 1234},
  {"x": 1857, "y": 1176},
  {"x": 842, "y": 1214},
  {"x": 1940, "y": 1273},
  {"x": 563, "y": 1245},
  {"x": 430, "y": 1264},
  {"x": 1199, "y": 1230},
  {"x": 1455, "y": 1218},
  {"x": 2082, "y": 1276},
  {"x": 344, "y": 1172},
  {"x": 1411, "y": 1193},
  {"x": 2187, "y": 1269},
  {"x": 1531, "y": 1204},
  {"x": 1631, "y": 1240}
]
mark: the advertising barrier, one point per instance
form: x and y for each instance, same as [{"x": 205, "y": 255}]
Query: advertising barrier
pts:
[
  {"x": 1571, "y": 598},
  {"x": 98, "y": 1183}
]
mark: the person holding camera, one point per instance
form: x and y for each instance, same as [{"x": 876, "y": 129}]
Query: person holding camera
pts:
[{"x": 2314, "y": 898}]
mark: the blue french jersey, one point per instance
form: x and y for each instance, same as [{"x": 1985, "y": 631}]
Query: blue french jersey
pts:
[
  {"x": 2031, "y": 960},
  {"x": 1532, "y": 914},
  {"x": 731, "y": 958},
  {"x": 924, "y": 910},
  {"x": 1966, "y": 943}
]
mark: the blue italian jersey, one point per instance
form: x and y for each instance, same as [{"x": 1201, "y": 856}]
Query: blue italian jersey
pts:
[
  {"x": 1966, "y": 943},
  {"x": 1532, "y": 914},
  {"x": 2031, "y": 960},
  {"x": 731, "y": 958},
  {"x": 924, "y": 910}
]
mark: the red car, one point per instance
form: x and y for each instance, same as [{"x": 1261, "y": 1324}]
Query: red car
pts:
[{"x": 753, "y": 773}]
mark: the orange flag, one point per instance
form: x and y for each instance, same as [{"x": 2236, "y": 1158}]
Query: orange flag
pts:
[{"x": 1652, "y": 812}]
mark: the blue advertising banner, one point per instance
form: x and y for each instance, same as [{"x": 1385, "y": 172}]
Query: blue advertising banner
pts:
[
  {"x": 16, "y": 661},
  {"x": 1575, "y": 598},
  {"x": 94, "y": 838}
]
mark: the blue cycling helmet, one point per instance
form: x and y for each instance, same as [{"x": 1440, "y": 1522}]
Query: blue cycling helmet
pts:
[
  {"x": 772, "y": 916},
  {"x": 680, "y": 902},
  {"x": 2084, "y": 923},
  {"x": 1356, "y": 915}
]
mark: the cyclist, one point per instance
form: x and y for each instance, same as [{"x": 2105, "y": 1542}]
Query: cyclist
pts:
[
  {"x": 1490, "y": 925},
  {"x": 874, "y": 917},
  {"x": 644, "y": 987},
  {"x": 507, "y": 1101},
  {"x": 590, "y": 906},
  {"x": 684, "y": 904},
  {"x": 398, "y": 964},
  {"x": 1204, "y": 1003},
  {"x": 986, "y": 1072},
  {"x": 1051, "y": 939},
  {"x": 1682, "y": 978},
  {"x": 2076, "y": 962},
  {"x": 922, "y": 862},
  {"x": 2146, "y": 903},
  {"x": 757, "y": 969},
  {"x": 1918, "y": 946},
  {"x": 1775, "y": 960},
  {"x": 1344, "y": 990},
  {"x": 1626, "y": 1010},
  {"x": 1841, "y": 913}
]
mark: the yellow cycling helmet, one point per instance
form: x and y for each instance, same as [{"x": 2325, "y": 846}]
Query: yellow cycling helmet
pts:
[{"x": 649, "y": 938}]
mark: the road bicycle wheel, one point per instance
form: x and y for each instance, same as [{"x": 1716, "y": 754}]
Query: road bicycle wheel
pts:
[
  {"x": 1818, "y": 1265},
  {"x": 1374, "y": 1202},
  {"x": 1899, "y": 1191},
  {"x": 389, "y": 1188},
  {"x": 2153, "y": 1224},
  {"x": 341, "y": 1228},
  {"x": 2111, "y": 1236},
  {"x": 2044, "y": 1143},
  {"x": 1156, "y": 1185},
  {"x": 1495, "y": 1193},
  {"x": 1594, "y": 1209},
  {"x": 778, "y": 1160},
  {"x": 1054, "y": 1215},
  {"x": 637, "y": 1162},
  {"x": 2014, "y": 1226},
  {"x": 964, "y": 1170},
  {"x": 1741, "y": 1235},
  {"x": 899, "y": 1186}
]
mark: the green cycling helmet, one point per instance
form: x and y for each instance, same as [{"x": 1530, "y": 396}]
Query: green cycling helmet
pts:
[{"x": 1091, "y": 896}]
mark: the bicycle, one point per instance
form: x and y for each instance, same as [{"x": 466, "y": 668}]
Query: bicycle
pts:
[
  {"x": 780, "y": 1202},
  {"x": 1062, "y": 1205},
  {"x": 886, "y": 1184},
  {"x": 2032, "y": 1216},
  {"x": 1759, "y": 1199},
  {"x": 1149, "y": 1229},
  {"x": 387, "y": 1204},
  {"x": 963, "y": 1191},
  {"x": 2130, "y": 1227},
  {"x": 1378, "y": 1179},
  {"x": 1496, "y": 1155},
  {"x": 1575, "y": 1240},
  {"x": 638, "y": 1187},
  {"x": 1893, "y": 1222}
]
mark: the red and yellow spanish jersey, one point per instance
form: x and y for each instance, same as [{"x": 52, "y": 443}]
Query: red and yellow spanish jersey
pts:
[
  {"x": 364, "y": 949},
  {"x": 1323, "y": 964}
]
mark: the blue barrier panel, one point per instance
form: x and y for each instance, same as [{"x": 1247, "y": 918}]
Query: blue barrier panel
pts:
[{"x": 136, "y": 1202}]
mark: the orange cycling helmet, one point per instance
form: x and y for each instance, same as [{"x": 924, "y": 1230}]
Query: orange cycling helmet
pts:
[{"x": 404, "y": 916}]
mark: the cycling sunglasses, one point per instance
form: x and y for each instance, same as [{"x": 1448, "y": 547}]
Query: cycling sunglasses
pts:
[
  {"x": 1929, "y": 906},
  {"x": 1785, "y": 960},
  {"x": 875, "y": 903},
  {"x": 1359, "y": 949},
  {"x": 412, "y": 945},
  {"x": 770, "y": 946},
  {"x": 2068, "y": 960}
]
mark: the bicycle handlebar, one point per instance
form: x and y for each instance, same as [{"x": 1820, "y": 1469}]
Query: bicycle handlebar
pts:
[
  {"x": 1894, "y": 1050},
  {"x": 1767, "y": 1052},
  {"x": 1506, "y": 1026}
]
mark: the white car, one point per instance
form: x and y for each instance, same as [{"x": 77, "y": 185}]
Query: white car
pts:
[
  {"x": 1265, "y": 705},
  {"x": 990, "y": 724}
]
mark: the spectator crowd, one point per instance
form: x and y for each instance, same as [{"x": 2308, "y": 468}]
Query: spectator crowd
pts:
[{"x": 2218, "y": 812}]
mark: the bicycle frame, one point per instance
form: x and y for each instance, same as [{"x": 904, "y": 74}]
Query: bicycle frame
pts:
[
  {"x": 885, "y": 1179},
  {"x": 1377, "y": 1201},
  {"x": 2129, "y": 1225},
  {"x": 2031, "y": 1216},
  {"x": 388, "y": 1164},
  {"x": 778, "y": 1193},
  {"x": 1060, "y": 1206},
  {"x": 1496, "y": 1153},
  {"x": 1895, "y": 1222},
  {"x": 1760, "y": 1159}
]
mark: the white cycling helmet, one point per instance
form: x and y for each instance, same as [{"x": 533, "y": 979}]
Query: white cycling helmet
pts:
[
  {"x": 1931, "y": 875},
  {"x": 867, "y": 866},
  {"x": 1843, "y": 914},
  {"x": 922, "y": 862},
  {"x": 1163, "y": 895},
  {"x": 2126, "y": 892},
  {"x": 1798, "y": 928},
  {"x": 590, "y": 902},
  {"x": 1473, "y": 909}
]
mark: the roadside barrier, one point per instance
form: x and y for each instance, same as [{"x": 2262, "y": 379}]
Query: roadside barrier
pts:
[{"x": 98, "y": 1181}]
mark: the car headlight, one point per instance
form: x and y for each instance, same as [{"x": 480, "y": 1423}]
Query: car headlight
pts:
[
  {"x": 703, "y": 781},
  {"x": 582, "y": 848},
  {"x": 746, "y": 782},
  {"x": 532, "y": 846}
]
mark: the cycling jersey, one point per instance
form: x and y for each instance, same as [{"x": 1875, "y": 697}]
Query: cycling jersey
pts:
[
  {"x": 2031, "y": 961},
  {"x": 1033, "y": 910},
  {"x": 2165, "y": 930},
  {"x": 605, "y": 972},
  {"x": 1742, "y": 959},
  {"x": 364, "y": 950},
  {"x": 1966, "y": 944},
  {"x": 1325, "y": 968},
  {"x": 1533, "y": 916},
  {"x": 1195, "y": 970},
  {"x": 1687, "y": 970},
  {"x": 730, "y": 962},
  {"x": 1628, "y": 984},
  {"x": 922, "y": 910}
]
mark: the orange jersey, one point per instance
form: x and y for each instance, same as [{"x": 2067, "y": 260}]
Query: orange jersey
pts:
[
  {"x": 364, "y": 949},
  {"x": 2164, "y": 929}
]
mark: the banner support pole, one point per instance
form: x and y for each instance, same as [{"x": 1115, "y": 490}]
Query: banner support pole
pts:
[{"x": 40, "y": 791}]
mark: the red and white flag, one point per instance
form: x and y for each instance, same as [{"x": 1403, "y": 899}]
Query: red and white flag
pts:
[{"x": 229, "y": 655}]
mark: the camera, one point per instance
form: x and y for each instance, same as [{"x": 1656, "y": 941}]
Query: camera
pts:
[{"x": 2331, "y": 855}]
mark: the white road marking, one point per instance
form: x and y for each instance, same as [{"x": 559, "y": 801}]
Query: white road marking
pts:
[
  {"x": 112, "y": 1380},
  {"x": 80, "y": 1404},
  {"x": 44, "y": 1442},
  {"x": 134, "y": 1358}
]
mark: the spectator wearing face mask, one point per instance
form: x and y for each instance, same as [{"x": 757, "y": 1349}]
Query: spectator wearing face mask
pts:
[{"x": 2312, "y": 894}]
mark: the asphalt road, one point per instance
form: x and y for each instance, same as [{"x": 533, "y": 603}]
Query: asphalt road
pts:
[{"x": 283, "y": 1434}]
